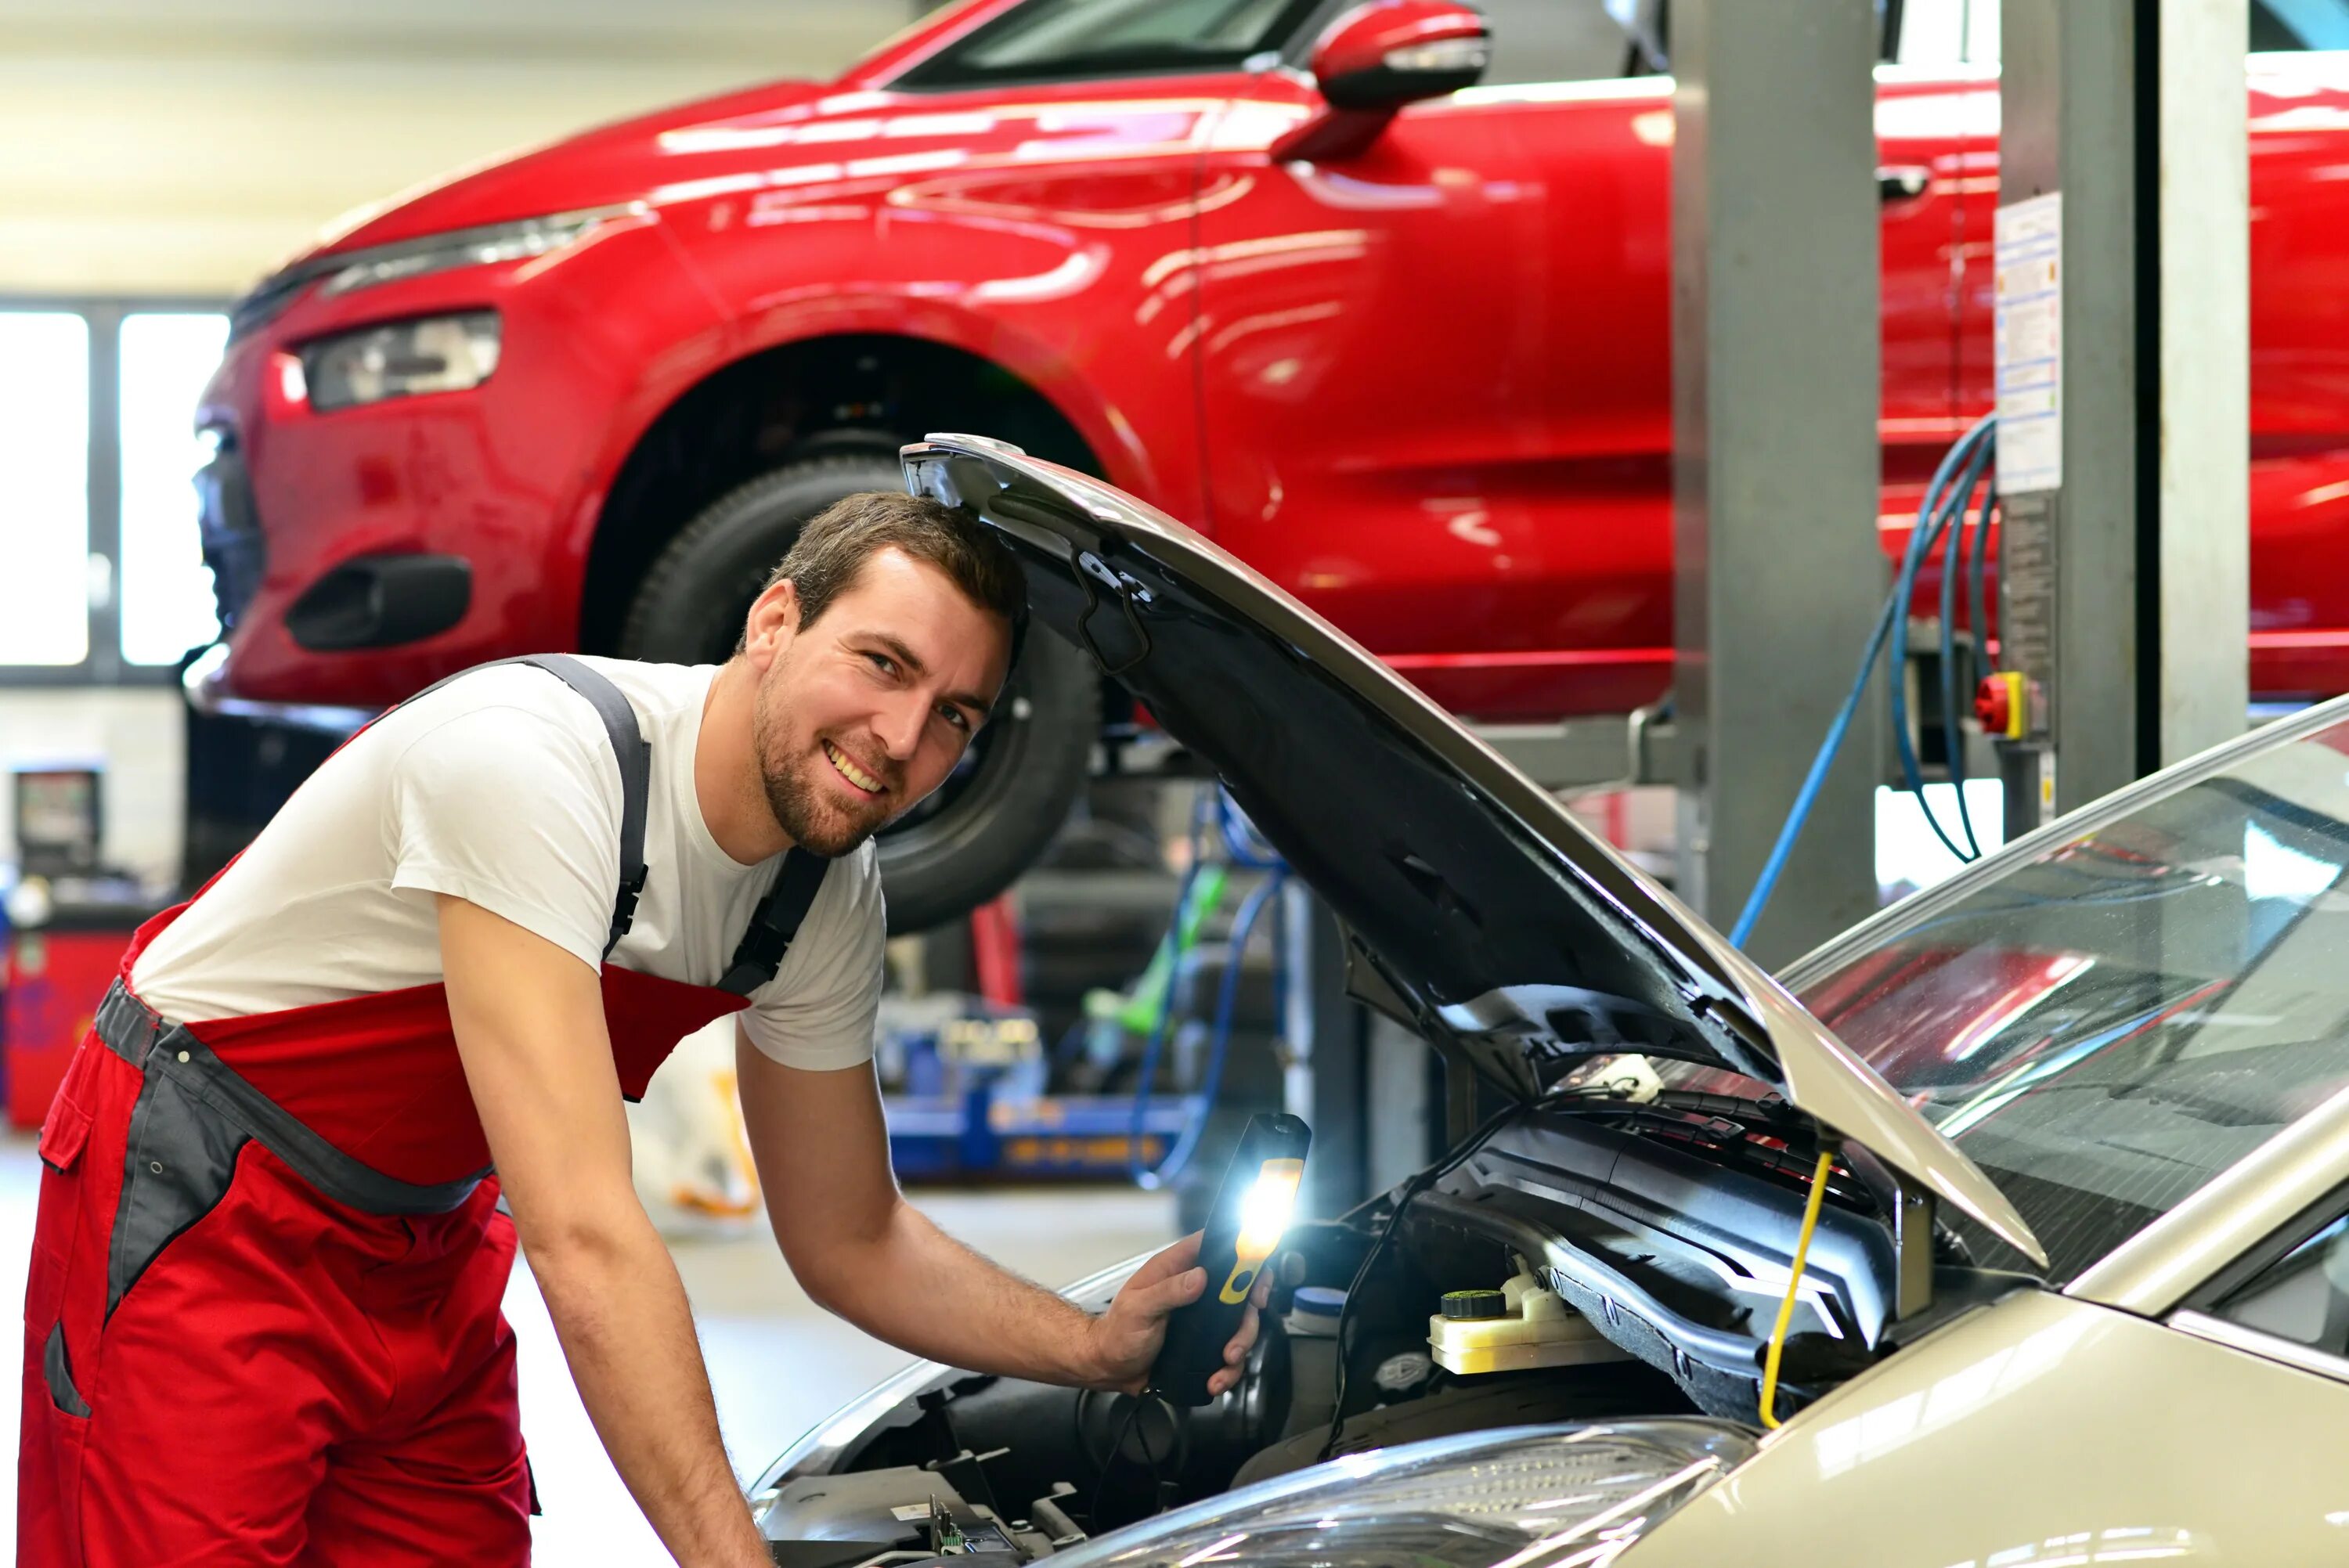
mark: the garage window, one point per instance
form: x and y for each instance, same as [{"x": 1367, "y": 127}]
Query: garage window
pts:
[
  {"x": 104, "y": 583},
  {"x": 167, "y": 594},
  {"x": 45, "y": 452},
  {"x": 1946, "y": 33}
]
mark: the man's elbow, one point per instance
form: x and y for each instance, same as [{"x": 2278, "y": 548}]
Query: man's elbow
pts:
[
  {"x": 828, "y": 1290},
  {"x": 581, "y": 1242},
  {"x": 840, "y": 1272},
  {"x": 831, "y": 1277}
]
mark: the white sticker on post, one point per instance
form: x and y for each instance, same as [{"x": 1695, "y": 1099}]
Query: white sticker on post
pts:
[{"x": 2027, "y": 336}]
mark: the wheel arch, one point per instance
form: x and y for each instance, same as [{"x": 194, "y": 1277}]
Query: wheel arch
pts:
[{"x": 850, "y": 391}]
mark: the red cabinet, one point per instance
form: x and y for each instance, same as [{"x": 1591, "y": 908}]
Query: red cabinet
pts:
[{"x": 56, "y": 979}]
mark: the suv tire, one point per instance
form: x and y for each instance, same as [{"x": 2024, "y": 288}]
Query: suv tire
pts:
[{"x": 996, "y": 815}]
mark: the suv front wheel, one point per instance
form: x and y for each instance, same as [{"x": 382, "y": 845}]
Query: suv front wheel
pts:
[{"x": 996, "y": 813}]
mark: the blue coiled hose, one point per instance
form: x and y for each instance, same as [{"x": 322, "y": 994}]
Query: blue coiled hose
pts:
[
  {"x": 1244, "y": 848},
  {"x": 1947, "y": 500}
]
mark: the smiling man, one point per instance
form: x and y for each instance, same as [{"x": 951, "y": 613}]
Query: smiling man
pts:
[{"x": 263, "y": 1320}]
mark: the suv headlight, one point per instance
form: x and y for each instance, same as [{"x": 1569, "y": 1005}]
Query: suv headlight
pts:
[
  {"x": 480, "y": 247},
  {"x": 400, "y": 359},
  {"x": 1521, "y": 1497},
  {"x": 344, "y": 270}
]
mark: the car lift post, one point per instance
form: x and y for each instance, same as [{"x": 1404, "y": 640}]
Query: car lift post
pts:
[
  {"x": 2124, "y": 456},
  {"x": 1777, "y": 572}
]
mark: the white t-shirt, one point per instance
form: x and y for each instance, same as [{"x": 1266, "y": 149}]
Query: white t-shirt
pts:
[{"x": 501, "y": 788}]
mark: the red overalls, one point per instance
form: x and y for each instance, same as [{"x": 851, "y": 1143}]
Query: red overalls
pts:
[{"x": 262, "y": 1322}]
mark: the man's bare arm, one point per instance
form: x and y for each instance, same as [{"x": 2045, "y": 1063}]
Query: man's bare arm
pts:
[
  {"x": 529, "y": 1021},
  {"x": 861, "y": 1250}
]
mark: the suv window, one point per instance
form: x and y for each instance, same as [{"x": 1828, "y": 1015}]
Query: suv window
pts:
[
  {"x": 1555, "y": 41},
  {"x": 1062, "y": 40},
  {"x": 2303, "y": 1296}
]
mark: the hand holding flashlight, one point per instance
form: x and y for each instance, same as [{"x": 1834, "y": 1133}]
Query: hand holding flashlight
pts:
[
  {"x": 1183, "y": 1323},
  {"x": 1244, "y": 1229},
  {"x": 1127, "y": 1339}
]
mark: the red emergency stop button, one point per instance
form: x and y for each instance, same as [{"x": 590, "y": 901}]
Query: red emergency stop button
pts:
[{"x": 1999, "y": 704}]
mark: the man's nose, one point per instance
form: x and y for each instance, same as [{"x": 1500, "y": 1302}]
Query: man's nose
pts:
[{"x": 899, "y": 726}]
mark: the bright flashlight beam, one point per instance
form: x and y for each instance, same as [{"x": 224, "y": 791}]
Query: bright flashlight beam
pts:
[{"x": 1264, "y": 1212}]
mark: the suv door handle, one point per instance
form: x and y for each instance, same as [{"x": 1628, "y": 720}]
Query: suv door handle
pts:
[{"x": 1901, "y": 182}]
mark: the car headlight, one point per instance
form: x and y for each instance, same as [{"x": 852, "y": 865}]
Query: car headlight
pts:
[
  {"x": 469, "y": 248},
  {"x": 400, "y": 359},
  {"x": 370, "y": 265},
  {"x": 1521, "y": 1497}
]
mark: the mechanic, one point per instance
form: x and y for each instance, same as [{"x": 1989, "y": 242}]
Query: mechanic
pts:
[{"x": 263, "y": 1316}]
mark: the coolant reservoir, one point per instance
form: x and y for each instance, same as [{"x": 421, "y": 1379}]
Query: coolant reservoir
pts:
[{"x": 1523, "y": 1324}]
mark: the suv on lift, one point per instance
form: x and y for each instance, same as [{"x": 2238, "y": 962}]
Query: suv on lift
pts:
[{"x": 1276, "y": 266}]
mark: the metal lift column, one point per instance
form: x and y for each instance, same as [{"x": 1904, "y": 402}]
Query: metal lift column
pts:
[
  {"x": 1775, "y": 481},
  {"x": 2122, "y": 280}
]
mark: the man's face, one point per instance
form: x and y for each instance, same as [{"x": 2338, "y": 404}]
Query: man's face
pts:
[{"x": 867, "y": 710}]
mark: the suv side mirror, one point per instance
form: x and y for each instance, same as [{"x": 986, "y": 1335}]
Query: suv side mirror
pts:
[{"x": 1375, "y": 58}]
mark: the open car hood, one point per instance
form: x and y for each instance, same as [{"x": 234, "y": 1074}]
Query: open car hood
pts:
[{"x": 1477, "y": 908}]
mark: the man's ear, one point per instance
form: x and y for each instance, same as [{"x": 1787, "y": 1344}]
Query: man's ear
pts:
[{"x": 773, "y": 621}]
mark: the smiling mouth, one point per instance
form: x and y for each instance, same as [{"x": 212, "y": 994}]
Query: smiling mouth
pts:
[{"x": 864, "y": 781}]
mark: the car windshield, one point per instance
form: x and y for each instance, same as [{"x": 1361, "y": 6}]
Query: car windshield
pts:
[
  {"x": 2108, "y": 1022},
  {"x": 1060, "y": 40}
]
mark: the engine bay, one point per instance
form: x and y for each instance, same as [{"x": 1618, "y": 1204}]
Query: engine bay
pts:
[{"x": 1654, "y": 1246}]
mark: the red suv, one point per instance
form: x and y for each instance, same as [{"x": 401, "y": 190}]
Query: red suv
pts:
[{"x": 1276, "y": 266}]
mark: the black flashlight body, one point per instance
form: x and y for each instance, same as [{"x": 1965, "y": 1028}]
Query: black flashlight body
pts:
[{"x": 1271, "y": 1150}]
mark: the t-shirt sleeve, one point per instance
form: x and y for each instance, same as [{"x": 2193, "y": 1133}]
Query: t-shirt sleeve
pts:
[
  {"x": 518, "y": 812},
  {"x": 818, "y": 1011}
]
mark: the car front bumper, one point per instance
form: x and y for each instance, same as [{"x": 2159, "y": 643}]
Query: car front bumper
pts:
[{"x": 362, "y": 554}]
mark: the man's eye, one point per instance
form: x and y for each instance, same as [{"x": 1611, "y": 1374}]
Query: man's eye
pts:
[
  {"x": 956, "y": 717},
  {"x": 884, "y": 662}
]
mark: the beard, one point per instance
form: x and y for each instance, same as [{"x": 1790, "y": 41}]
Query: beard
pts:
[{"x": 805, "y": 806}]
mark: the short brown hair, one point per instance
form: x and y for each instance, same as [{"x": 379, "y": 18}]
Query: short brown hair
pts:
[{"x": 824, "y": 562}]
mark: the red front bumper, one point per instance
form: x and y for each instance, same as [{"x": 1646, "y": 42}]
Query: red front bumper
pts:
[{"x": 496, "y": 488}]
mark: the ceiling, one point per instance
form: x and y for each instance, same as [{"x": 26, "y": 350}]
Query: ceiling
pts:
[{"x": 159, "y": 148}]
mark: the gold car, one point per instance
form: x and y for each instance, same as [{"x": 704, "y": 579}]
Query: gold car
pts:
[{"x": 2064, "y": 1142}]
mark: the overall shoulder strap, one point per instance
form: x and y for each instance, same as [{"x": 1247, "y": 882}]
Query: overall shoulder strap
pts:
[
  {"x": 635, "y": 754},
  {"x": 775, "y": 922},
  {"x": 629, "y": 749}
]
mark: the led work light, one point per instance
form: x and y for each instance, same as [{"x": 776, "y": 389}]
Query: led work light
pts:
[{"x": 1251, "y": 1211}]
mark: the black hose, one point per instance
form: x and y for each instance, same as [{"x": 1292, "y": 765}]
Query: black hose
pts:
[
  {"x": 1952, "y": 488},
  {"x": 1975, "y": 594},
  {"x": 1953, "y": 740},
  {"x": 1116, "y": 1448},
  {"x": 1412, "y": 1188}
]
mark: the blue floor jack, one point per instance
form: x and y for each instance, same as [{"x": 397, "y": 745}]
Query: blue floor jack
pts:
[
  {"x": 974, "y": 1106},
  {"x": 973, "y": 1103}
]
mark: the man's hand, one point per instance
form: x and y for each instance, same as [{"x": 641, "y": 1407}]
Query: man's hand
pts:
[
  {"x": 860, "y": 1250},
  {"x": 1127, "y": 1336}
]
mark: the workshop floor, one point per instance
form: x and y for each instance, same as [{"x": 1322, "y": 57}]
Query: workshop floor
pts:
[{"x": 778, "y": 1363}]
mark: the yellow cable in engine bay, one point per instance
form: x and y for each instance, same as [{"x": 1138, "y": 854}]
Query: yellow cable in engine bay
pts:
[{"x": 1793, "y": 1285}]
